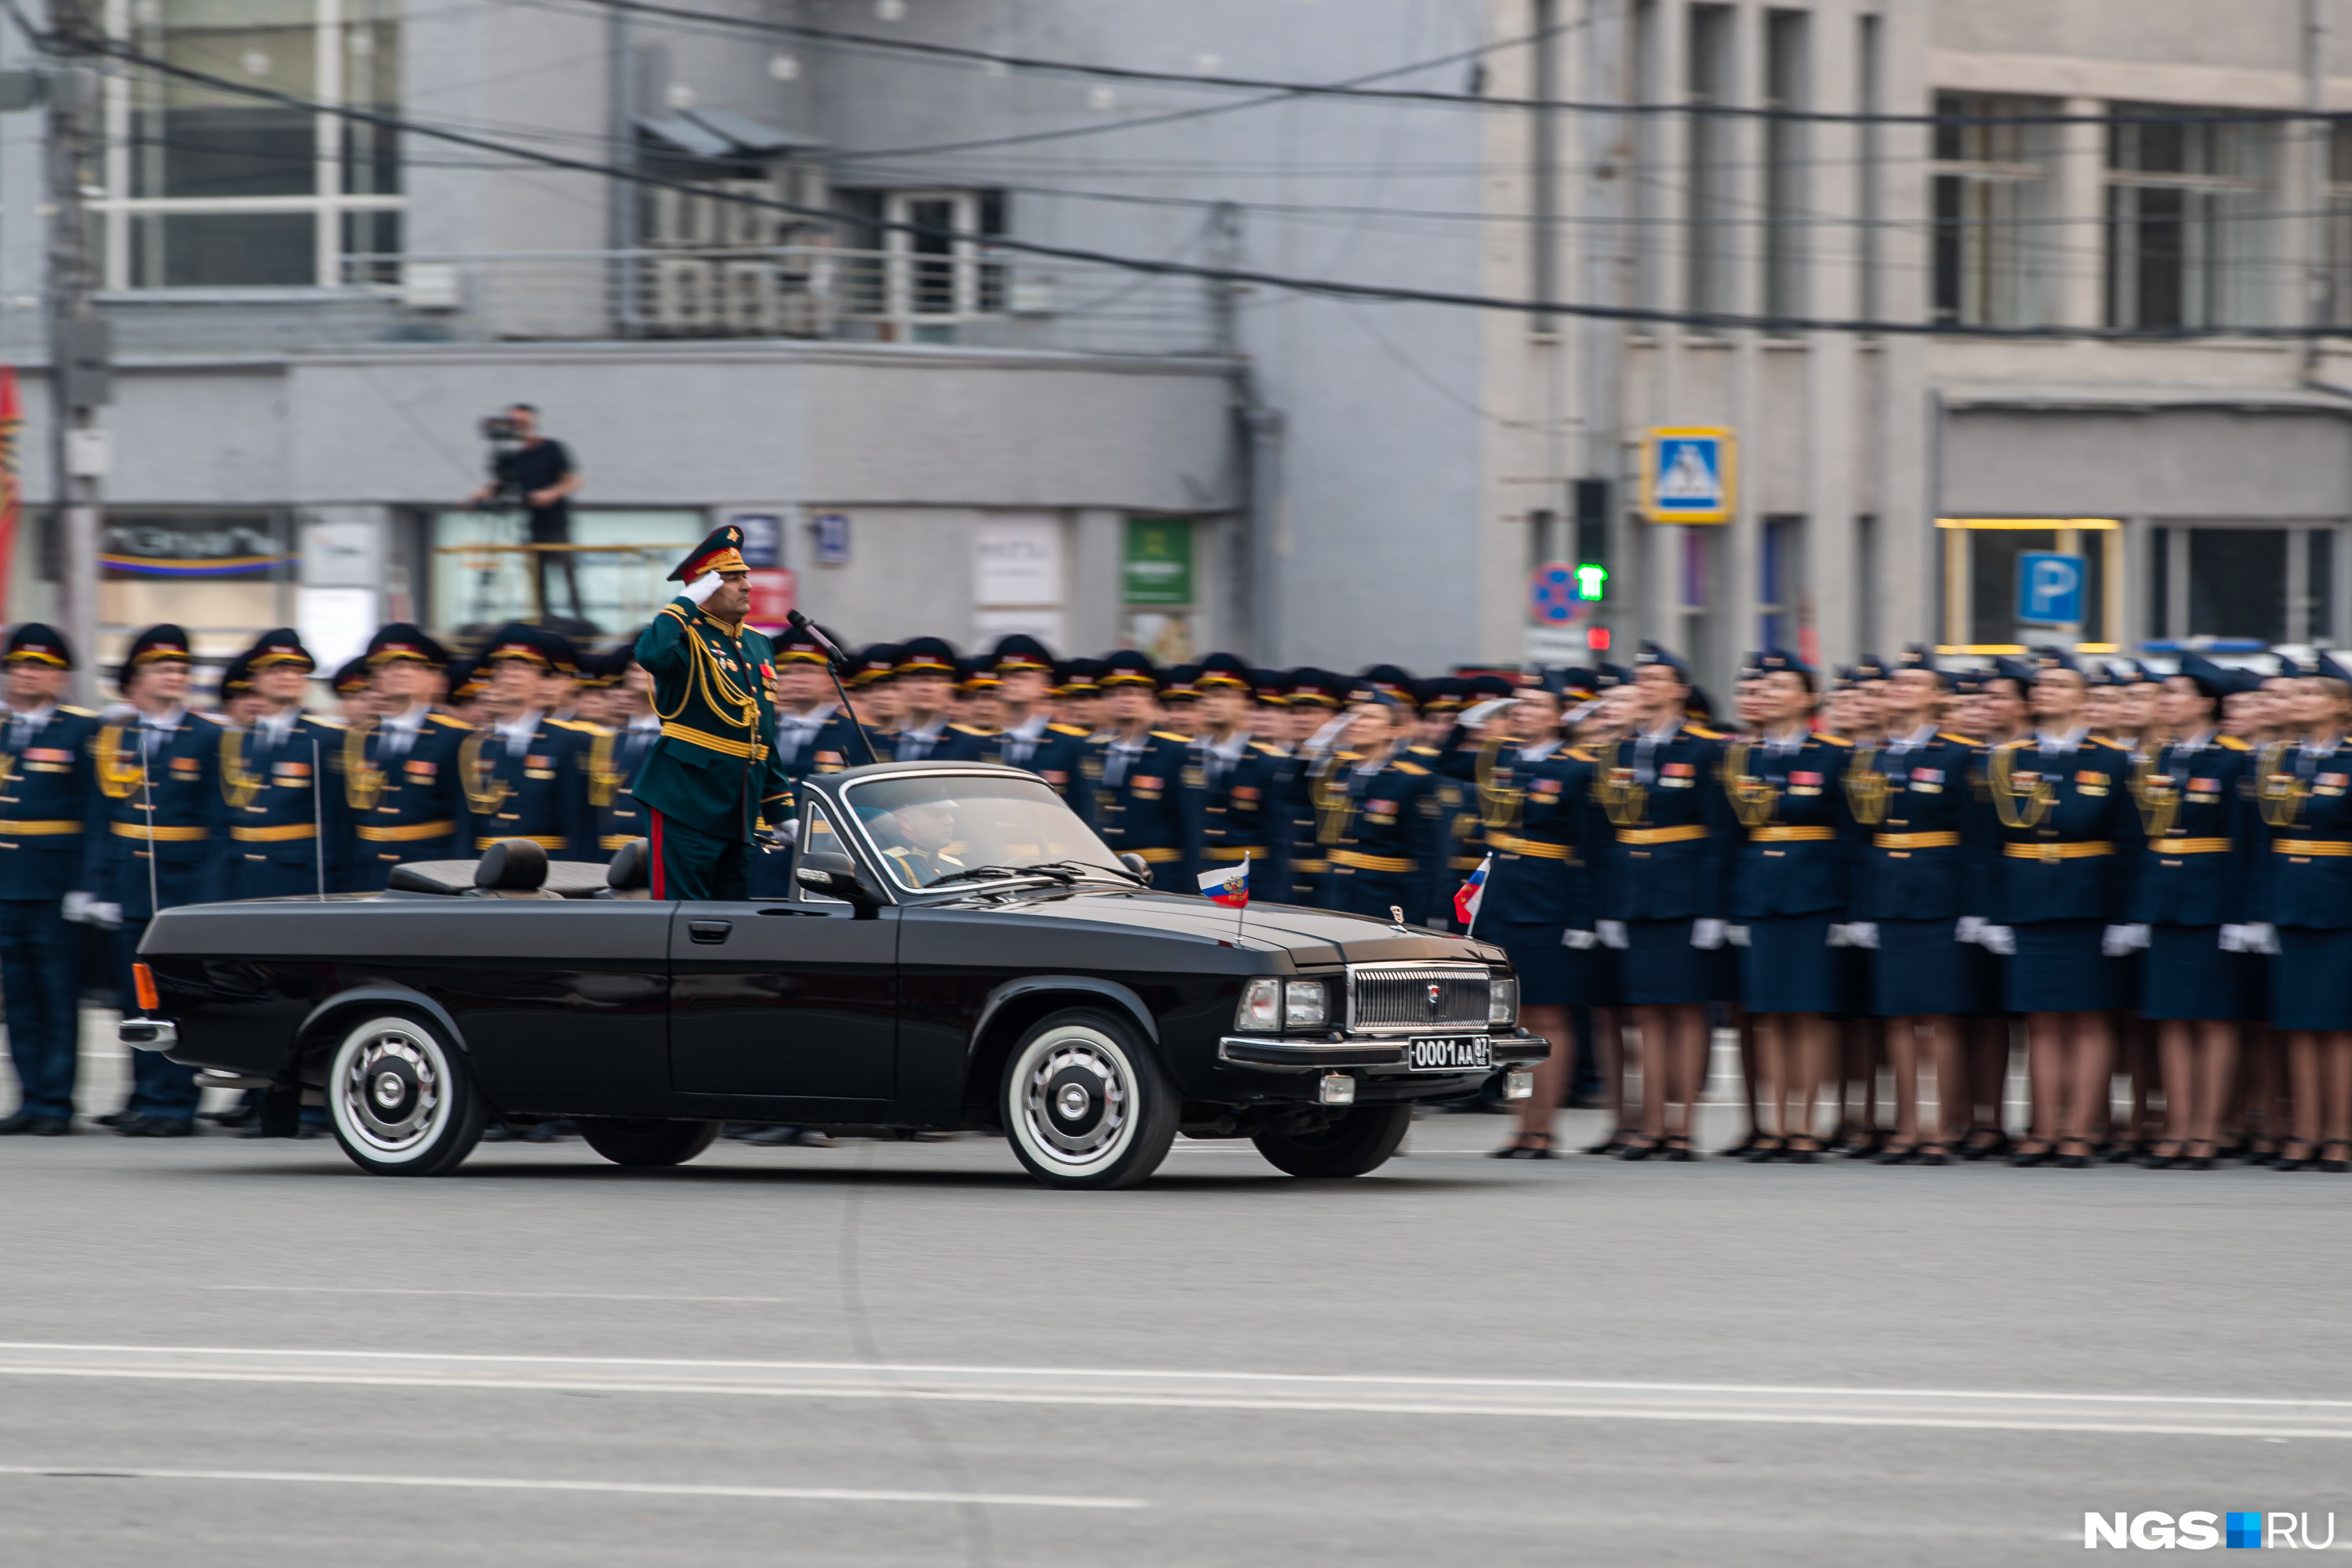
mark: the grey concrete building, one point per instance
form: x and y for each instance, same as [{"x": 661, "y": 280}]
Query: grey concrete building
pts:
[{"x": 959, "y": 436}]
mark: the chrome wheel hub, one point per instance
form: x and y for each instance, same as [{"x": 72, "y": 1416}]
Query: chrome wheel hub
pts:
[
  {"x": 1076, "y": 1101},
  {"x": 392, "y": 1093}
]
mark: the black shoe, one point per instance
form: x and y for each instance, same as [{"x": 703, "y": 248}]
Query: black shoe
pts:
[
  {"x": 1764, "y": 1151},
  {"x": 2073, "y": 1162},
  {"x": 1679, "y": 1151},
  {"x": 2022, "y": 1156},
  {"x": 2197, "y": 1162},
  {"x": 1639, "y": 1151},
  {"x": 123, "y": 1118},
  {"x": 1895, "y": 1154},
  {"x": 1998, "y": 1148},
  {"x": 496, "y": 1132},
  {"x": 20, "y": 1122},
  {"x": 538, "y": 1132},
  {"x": 1612, "y": 1144},
  {"x": 1740, "y": 1150},
  {"x": 1932, "y": 1154},
  {"x": 243, "y": 1116},
  {"x": 788, "y": 1138},
  {"x": 52, "y": 1127},
  {"x": 161, "y": 1127}
]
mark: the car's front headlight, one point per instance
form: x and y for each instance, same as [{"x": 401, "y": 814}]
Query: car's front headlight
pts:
[
  {"x": 1261, "y": 1005},
  {"x": 1503, "y": 999},
  {"x": 1303, "y": 1004},
  {"x": 1271, "y": 1003}
]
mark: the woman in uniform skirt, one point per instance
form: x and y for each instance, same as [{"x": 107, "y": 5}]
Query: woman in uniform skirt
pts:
[
  {"x": 2305, "y": 798},
  {"x": 1788, "y": 890},
  {"x": 1534, "y": 804},
  {"x": 2191, "y": 896}
]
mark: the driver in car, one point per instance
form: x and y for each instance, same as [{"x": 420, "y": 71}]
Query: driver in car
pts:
[{"x": 926, "y": 827}]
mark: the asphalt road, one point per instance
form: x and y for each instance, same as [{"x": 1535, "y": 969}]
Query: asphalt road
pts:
[{"x": 234, "y": 1352}]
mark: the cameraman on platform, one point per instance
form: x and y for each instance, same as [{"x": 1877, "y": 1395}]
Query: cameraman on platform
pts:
[{"x": 532, "y": 471}]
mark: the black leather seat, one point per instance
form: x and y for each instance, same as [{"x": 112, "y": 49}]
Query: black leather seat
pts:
[
  {"x": 511, "y": 869},
  {"x": 631, "y": 874}
]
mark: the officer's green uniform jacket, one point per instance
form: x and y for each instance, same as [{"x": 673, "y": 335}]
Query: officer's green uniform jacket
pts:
[{"x": 714, "y": 691}]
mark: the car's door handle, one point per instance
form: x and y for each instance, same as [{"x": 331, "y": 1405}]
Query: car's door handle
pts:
[{"x": 711, "y": 931}]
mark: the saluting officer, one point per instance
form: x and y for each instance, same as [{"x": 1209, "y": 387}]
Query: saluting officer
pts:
[
  {"x": 525, "y": 774},
  {"x": 44, "y": 793},
  {"x": 2060, "y": 899},
  {"x": 1662, "y": 891},
  {"x": 1243, "y": 814},
  {"x": 269, "y": 778},
  {"x": 157, "y": 767},
  {"x": 2195, "y": 794},
  {"x": 403, "y": 774},
  {"x": 618, "y": 755},
  {"x": 715, "y": 779},
  {"x": 1031, "y": 738},
  {"x": 1916, "y": 889},
  {"x": 1386, "y": 838},
  {"x": 1137, "y": 773}
]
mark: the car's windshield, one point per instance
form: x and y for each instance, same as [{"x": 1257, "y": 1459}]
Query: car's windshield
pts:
[{"x": 931, "y": 826}]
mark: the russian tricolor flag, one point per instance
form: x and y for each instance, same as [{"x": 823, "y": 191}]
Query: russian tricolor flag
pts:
[
  {"x": 1228, "y": 885},
  {"x": 1465, "y": 903}
]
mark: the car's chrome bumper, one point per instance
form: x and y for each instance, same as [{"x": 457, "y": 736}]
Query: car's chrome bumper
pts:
[
  {"x": 1370, "y": 1052},
  {"x": 148, "y": 1034}
]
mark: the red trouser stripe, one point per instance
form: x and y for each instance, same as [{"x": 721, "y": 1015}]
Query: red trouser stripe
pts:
[{"x": 660, "y": 890}]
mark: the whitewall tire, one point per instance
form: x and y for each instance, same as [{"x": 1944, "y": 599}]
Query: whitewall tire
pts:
[{"x": 402, "y": 1099}]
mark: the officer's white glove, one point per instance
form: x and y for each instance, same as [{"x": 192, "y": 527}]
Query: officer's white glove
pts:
[
  {"x": 76, "y": 907},
  {"x": 1707, "y": 935},
  {"x": 1611, "y": 933},
  {"x": 107, "y": 915},
  {"x": 2233, "y": 940},
  {"x": 1839, "y": 937},
  {"x": 2118, "y": 941},
  {"x": 1862, "y": 934},
  {"x": 1735, "y": 935},
  {"x": 1970, "y": 929},
  {"x": 2261, "y": 937},
  {"x": 1580, "y": 939},
  {"x": 1997, "y": 939},
  {"x": 702, "y": 587}
]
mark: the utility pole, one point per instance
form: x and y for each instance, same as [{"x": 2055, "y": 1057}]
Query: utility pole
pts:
[{"x": 80, "y": 380}]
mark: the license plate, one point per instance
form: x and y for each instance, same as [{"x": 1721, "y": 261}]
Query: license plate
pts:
[{"x": 1452, "y": 1053}]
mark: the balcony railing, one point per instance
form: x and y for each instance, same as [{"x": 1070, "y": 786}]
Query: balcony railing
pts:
[{"x": 808, "y": 291}]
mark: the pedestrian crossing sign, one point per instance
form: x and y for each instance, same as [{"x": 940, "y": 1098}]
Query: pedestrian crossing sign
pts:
[{"x": 1688, "y": 474}]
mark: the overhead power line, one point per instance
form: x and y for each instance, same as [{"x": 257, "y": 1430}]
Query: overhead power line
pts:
[
  {"x": 1331, "y": 287},
  {"x": 1358, "y": 88}
]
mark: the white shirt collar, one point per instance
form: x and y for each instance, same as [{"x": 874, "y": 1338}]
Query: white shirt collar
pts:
[
  {"x": 35, "y": 717},
  {"x": 2072, "y": 740},
  {"x": 280, "y": 723},
  {"x": 520, "y": 728},
  {"x": 1540, "y": 751},
  {"x": 411, "y": 717},
  {"x": 1918, "y": 737},
  {"x": 1660, "y": 737},
  {"x": 1032, "y": 728}
]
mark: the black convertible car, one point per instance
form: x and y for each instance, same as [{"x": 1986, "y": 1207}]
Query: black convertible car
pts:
[{"x": 959, "y": 951}]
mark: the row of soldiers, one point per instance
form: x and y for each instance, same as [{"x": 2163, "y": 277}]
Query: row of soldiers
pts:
[{"x": 2142, "y": 868}]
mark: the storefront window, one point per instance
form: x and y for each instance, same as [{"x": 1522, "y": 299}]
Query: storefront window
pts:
[
  {"x": 2237, "y": 583},
  {"x": 483, "y": 573},
  {"x": 223, "y": 577},
  {"x": 1982, "y": 564}
]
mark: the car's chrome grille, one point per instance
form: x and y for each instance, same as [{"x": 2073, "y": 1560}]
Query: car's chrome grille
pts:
[{"x": 1410, "y": 997}]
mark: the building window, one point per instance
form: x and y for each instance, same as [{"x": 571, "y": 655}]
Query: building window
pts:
[
  {"x": 2339, "y": 222},
  {"x": 1710, "y": 183},
  {"x": 1992, "y": 198},
  {"x": 2184, "y": 246},
  {"x": 206, "y": 188},
  {"x": 919, "y": 285},
  {"x": 1783, "y": 618},
  {"x": 1787, "y": 85},
  {"x": 1982, "y": 576}
]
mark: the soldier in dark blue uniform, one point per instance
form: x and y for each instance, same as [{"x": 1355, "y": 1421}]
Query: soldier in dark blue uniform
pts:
[
  {"x": 2069, "y": 839},
  {"x": 1242, "y": 817},
  {"x": 616, "y": 756},
  {"x": 403, "y": 781},
  {"x": 927, "y": 678},
  {"x": 1918, "y": 875},
  {"x": 1663, "y": 893},
  {"x": 1790, "y": 883},
  {"x": 1386, "y": 839},
  {"x": 874, "y": 692},
  {"x": 1537, "y": 817},
  {"x": 157, "y": 768},
  {"x": 2195, "y": 794},
  {"x": 813, "y": 734},
  {"x": 270, "y": 779},
  {"x": 1030, "y": 738},
  {"x": 525, "y": 774},
  {"x": 1316, "y": 786},
  {"x": 1136, "y": 775},
  {"x": 45, "y": 798}
]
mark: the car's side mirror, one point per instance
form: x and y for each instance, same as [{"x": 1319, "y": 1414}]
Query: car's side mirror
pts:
[
  {"x": 835, "y": 876},
  {"x": 1137, "y": 864}
]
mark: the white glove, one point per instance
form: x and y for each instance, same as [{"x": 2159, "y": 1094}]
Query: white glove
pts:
[
  {"x": 1970, "y": 929},
  {"x": 77, "y": 907},
  {"x": 2261, "y": 937},
  {"x": 2233, "y": 938},
  {"x": 2118, "y": 941},
  {"x": 2139, "y": 936},
  {"x": 1580, "y": 939},
  {"x": 1997, "y": 939},
  {"x": 107, "y": 915},
  {"x": 1735, "y": 935},
  {"x": 702, "y": 587},
  {"x": 1862, "y": 934},
  {"x": 1611, "y": 933},
  {"x": 1707, "y": 935}
]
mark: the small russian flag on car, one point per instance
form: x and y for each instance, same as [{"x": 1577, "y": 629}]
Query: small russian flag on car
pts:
[
  {"x": 1228, "y": 885},
  {"x": 1465, "y": 903}
]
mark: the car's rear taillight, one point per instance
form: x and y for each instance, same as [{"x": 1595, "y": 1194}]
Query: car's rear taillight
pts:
[{"x": 143, "y": 978}]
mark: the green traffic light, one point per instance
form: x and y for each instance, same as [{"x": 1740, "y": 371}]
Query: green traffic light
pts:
[{"x": 1591, "y": 581}]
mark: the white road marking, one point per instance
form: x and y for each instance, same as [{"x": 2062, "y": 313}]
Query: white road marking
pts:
[
  {"x": 501, "y": 1295},
  {"x": 1950, "y": 1409},
  {"x": 491, "y": 1483}
]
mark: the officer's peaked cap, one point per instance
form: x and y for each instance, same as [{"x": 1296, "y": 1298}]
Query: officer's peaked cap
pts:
[
  {"x": 1128, "y": 666},
  {"x": 722, "y": 551},
  {"x": 1019, "y": 651},
  {"x": 33, "y": 643},
  {"x": 929, "y": 655},
  {"x": 550, "y": 651},
  {"x": 398, "y": 639}
]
